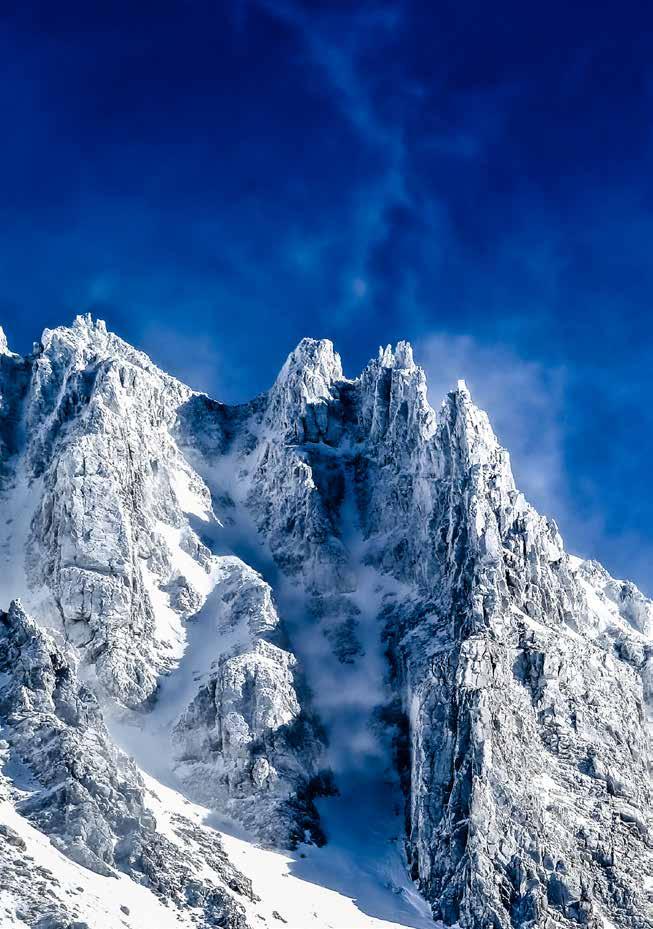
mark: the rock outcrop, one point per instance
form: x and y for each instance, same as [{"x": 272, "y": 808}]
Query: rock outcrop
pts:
[
  {"x": 81, "y": 790},
  {"x": 98, "y": 415},
  {"x": 245, "y": 745}
]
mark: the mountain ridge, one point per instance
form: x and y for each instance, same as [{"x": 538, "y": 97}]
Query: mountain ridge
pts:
[{"x": 373, "y": 611}]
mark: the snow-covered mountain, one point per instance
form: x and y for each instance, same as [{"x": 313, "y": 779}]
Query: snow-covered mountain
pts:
[{"x": 311, "y": 660}]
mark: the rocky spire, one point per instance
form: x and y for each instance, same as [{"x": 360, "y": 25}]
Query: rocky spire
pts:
[
  {"x": 4, "y": 345},
  {"x": 393, "y": 403},
  {"x": 85, "y": 321},
  {"x": 466, "y": 433},
  {"x": 402, "y": 357},
  {"x": 311, "y": 370},
  {"x": 84, "y": 332},
  {"x": 304, "y": 387}
]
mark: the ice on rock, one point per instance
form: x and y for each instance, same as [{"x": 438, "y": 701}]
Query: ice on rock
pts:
[
  {"x": 4, "y": 345},
  {"x": 82, "y": 790},
  {"x": 386, "y": 358},
  {"x": 113, "y": 556},
  {"x": 498, "y": 631},
  {"x": 296, "y": 403},
  {"x": 99, "y": 416},
  {"x": 617, "y": 602},
  {"x": 404, "y": 356},
  {"x": 85, "y": 321},
  {"x": 401, "y": 357},
  {"x": 492, "y": 654}
]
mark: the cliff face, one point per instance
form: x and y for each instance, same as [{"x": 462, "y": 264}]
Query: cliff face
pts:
[
  {"x": 524, "y": 675},
  {"x": 325, "y": 589},
  {"x": 526, "y": 706}
]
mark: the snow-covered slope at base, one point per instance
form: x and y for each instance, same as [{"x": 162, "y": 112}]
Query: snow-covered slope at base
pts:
[
  {"x": 38, "y": 880},
  {"x": 359, "y": 879},
  {"x": 335, "y": 887}
]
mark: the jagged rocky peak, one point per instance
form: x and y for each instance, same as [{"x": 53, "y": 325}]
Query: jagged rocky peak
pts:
[
  {"x": 115, "y": 561},
  {"x": 401, "y": 358},
  {"x": 315, "y": 365},
  {"x": 88, "y": 343},
  {"x": 466, "y": 435},
  {"x": 297, "y": 403},
  {"x": 393, "y": 403},
  {"x": 4, "y": 345},
  {"x": 521, "y": 678},
  {"x": 83, "y": 332},
  {"x": 84, "y": 321},
  {"x": 110, "y": 512},
  {"x": 505, "y": 640}
]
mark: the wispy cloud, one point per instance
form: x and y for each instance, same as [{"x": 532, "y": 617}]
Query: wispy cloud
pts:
[
  {"x": 525, "y": 402},
  {"x": 532, "y": 409},
  {"x": 337, "y": 45},
  {"x": 193, "y": 358}
]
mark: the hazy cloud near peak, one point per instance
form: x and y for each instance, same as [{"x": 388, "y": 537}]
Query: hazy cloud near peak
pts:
[
  {"x": 525, "y": 403},
  {"x": 195, "y": 360},
  {"x": 531, "y": 407}
]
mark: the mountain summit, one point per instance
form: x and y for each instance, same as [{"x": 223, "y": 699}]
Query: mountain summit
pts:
[{"x": 310, "y": 660}]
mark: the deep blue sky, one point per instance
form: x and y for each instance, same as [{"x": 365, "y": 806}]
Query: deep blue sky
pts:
[{"x": 218, "y": 180}]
